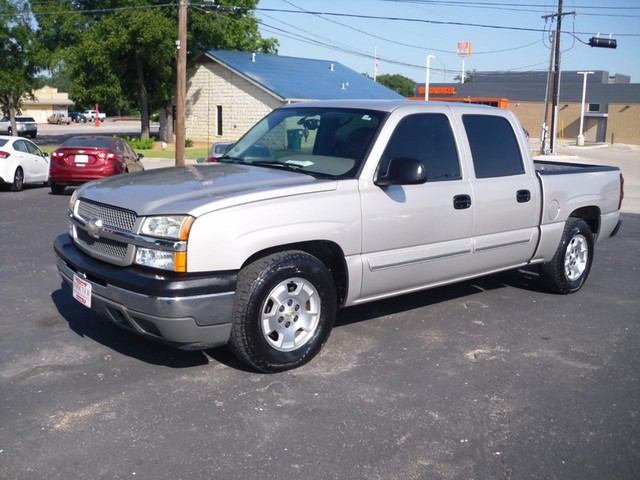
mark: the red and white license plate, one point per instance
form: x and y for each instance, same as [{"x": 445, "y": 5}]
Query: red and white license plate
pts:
[{"x": 82, "y": 291}]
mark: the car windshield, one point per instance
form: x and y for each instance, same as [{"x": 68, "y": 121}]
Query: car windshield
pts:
[
  {"x": 25, "y": 119},
  {"x": 324, "y": 142},
  {"x": 89, "y": 142}
]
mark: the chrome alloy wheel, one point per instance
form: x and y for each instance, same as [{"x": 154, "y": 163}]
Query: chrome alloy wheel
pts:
[
  {"x": 290, "y": 314},
  {"x": 576, "y": 257}
]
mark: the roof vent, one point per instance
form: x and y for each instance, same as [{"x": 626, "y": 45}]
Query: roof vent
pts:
[
  {"x": 253, "y": 57},
  {"x": 331, "y": 67}
]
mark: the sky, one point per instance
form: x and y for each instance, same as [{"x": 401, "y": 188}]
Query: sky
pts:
[{"x": 511, "y": 35}]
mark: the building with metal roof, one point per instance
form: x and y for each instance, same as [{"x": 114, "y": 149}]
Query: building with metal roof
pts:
[{"x": 230, "y": 91}]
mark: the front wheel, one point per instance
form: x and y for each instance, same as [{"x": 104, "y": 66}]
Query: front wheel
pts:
[
  {"x": 284, "y": 311},
  {"x": 569, "y": 268}
]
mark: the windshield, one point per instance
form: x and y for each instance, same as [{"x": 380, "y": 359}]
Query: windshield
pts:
[{"x": 327, "y": 142}]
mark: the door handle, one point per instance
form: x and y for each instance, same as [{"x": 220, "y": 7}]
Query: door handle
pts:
[
  {"x": 460, "y": 202},
  {"x": 523, "y": 196}
]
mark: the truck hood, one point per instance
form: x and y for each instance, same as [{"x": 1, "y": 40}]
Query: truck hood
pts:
[{"x": 199, "y": 189}]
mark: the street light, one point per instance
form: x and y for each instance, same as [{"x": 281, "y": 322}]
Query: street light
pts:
[
  {"x": 580, "y": 139},
  {"x": 426, "y": 85}
]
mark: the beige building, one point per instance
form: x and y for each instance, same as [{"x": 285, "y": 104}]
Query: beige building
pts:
[
  {"x": 48, "y": 100},
  {"x": 612, "y": 102}
]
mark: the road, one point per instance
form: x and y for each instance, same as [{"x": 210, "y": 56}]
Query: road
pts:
[{"x": 489, "y": 379}]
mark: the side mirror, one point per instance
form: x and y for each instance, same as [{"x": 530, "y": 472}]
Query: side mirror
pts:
[{"x": 403, "y": 171}]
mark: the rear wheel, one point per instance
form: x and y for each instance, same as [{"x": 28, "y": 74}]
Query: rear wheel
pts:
[
  {"x": 18, "y": 180},
  {"x": 57, "y": 189},
  {"x": 569, "y": 268},
  {"x": 284, "y": 311}
]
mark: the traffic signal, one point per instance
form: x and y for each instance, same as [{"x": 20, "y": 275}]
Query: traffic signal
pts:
[{"x": 603, "y": 42}]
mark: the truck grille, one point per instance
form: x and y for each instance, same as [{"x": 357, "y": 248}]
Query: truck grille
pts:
[{"x": 113, "y": 218}]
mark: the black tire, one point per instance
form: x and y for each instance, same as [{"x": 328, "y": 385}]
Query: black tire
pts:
[
  {"x": 57, "y": 189},
  {"x": 18, "y": 180},
  {"x": 297, "y": 292},
  {"x": 569, "y": 268}
]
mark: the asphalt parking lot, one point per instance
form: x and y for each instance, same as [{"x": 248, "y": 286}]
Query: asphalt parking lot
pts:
[{"x": 488, "y": 379}]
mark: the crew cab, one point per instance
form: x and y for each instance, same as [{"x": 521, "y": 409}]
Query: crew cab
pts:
[{"x": 325, "y": 205}]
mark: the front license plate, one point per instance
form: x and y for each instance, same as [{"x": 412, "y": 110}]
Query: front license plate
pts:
[{"x": 82, "y": 291}]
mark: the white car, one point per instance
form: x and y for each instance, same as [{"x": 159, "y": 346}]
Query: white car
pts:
[{"x": 22, "y": 161}]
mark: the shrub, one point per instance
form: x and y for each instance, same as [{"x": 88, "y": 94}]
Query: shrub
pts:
[{"x": 188, "y": 143}]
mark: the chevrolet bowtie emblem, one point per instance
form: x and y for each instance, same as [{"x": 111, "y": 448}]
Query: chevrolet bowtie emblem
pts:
[{"x": 93, "y": 227}]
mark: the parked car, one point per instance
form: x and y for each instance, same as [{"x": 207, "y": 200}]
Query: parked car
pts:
[
  {"x": 59, "y": 118},
  {"x": 88, "y": 157},
  {"x": 218, "y": 149},
  {"x": 22, "y": 161},
  {"x": 77, "y": 117},
  {"x": 91, "y": 115},
  {"x": 26, "y": 126}
]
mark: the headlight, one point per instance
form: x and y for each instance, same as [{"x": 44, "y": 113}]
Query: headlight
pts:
[
  {"x": 175, "y": 227},
  {"x": 72, "y": 201},
  {"x": 170, "y": 227},
  {"x": 163, "y": 259}
]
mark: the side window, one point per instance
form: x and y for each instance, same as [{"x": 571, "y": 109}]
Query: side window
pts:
[
  {"x": 33, "y": 149},
  {"x": 426, "y": 137},
  {"x": 494, "y": 146},
  {"x": 20, "y": 146}
]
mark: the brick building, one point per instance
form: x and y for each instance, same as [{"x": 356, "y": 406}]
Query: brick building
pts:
[
  {"x": 228, "y": 92},
  {"x": 612, "y": 103}
]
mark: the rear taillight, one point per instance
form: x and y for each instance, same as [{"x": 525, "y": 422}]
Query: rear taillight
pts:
[
  {"x": 4, "y": 154},
  {"x": 621, "y": 191}
]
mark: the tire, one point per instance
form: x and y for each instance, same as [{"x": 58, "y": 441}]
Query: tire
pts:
[
  {"x": 284, "y": 311},
  {"x": 57, "y": 189},
  {"x": 18, "y": 180},
  {"x": 9, "y": 131},
  {"x": 569, "y": 268}
]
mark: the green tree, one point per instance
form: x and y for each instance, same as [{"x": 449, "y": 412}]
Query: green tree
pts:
[
  {"x": 469, "y": 76},
  {"x": 398, "y": 83},
  {"x": 121, "y": 53},
  {"x": 18, "y": 62}
]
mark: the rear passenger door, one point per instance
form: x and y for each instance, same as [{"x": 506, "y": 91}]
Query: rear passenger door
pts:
[
  {"x": 505, "y": 194},
  {"x": 417, "y": 235}
]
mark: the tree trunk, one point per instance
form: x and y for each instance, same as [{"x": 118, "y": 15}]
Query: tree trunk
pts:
[
  {"x": 166, "y": 123},
  {"x": 144, "y": 99}
]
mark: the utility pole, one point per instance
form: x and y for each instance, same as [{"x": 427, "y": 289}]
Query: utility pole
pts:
[
  {"x": 556, "y": 74},
  {"x": 181, "y": 82}
]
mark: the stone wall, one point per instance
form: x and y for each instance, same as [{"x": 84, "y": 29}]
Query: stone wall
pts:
[{"x": 242, "y": 103}]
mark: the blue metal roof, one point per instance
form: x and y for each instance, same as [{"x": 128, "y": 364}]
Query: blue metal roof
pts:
[{"x": 291, "y": 78}]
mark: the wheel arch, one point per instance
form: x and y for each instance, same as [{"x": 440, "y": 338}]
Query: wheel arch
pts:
[
  {"x": 591, "y": 215},
  {"x": 329, "y": 253}
]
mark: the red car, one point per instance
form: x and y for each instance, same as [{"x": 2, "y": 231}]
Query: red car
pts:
[{"x": 89, "y": 157}]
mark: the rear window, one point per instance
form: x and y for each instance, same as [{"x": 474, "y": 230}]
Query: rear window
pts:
[
  {"x": 3, "y": 143},
  {"x": 89, "y": 142},
  {"x": 494, "y": 147}
]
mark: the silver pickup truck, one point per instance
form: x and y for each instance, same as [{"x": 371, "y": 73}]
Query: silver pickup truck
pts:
[{"x": 325, "y": 205}]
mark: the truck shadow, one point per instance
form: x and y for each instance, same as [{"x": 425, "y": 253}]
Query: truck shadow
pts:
[
  {"x": 86, "y": 323},
  {"x": 523, "y": 279}
]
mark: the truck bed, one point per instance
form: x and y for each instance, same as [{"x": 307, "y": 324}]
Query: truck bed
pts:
[{"x": 545, "y": 167}]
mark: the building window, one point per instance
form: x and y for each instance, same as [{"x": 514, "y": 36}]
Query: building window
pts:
[
  {"x": 219, "y": 119},
  {"x": 594, "y": 107}
]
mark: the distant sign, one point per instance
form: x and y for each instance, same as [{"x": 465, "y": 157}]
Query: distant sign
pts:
[{"x": 464, "y": 48}]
